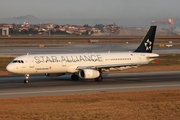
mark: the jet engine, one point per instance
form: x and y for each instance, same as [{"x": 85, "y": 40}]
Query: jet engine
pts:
[
  {"x": 54, "y": 74},
  {"x": 89, "y": 73}
]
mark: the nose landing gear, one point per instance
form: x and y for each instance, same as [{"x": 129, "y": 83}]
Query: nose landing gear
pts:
[{"x": 27, "y": 77}]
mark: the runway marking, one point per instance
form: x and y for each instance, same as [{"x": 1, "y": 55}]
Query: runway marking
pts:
[{"x": 76, "y": 90}]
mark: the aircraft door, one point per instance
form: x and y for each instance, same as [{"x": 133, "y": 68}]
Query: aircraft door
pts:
[
  {"x": 31, "y": 63},
  {"x": 63, "y": 63},
  {"x": 140, "y": 58}
]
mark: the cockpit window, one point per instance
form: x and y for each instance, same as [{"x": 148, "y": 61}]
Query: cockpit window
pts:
[
  {"x": 17, "y": 61},
  {"x": 14, "y": 61}
]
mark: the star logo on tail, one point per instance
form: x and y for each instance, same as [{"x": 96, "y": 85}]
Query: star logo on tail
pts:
[{"x": 148, "y": 45}]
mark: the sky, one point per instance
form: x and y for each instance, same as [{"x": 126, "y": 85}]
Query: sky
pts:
[{"x": 91, "y": 9}]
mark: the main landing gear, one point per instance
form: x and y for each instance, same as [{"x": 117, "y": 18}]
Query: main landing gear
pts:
[
  {"x": 100, "y": 78},
  {"x": 27, "y": 77},
  {"x": 74, "y": 77}
]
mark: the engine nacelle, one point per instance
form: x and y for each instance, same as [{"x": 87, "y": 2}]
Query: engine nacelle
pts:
[
  {"x": 89, "y": 73},
  {"x": 54, "y": 74}
]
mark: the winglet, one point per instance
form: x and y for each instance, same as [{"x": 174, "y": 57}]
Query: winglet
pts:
[{"x": 148, "y": 41}]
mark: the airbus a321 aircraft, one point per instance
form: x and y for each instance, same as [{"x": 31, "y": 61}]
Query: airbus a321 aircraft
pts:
[{"x": 85, "y": 65}]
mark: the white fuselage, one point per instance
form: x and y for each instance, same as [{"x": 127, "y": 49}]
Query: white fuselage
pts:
[{"x": 69, "y": 63}]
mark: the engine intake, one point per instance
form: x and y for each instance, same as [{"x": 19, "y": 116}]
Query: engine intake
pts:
[{"x": 89, "y": 73}]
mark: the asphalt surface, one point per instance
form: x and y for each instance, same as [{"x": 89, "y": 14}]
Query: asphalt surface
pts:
[
  {"x": 79, "y": 48},
  {"x": 11, "y": 87}
]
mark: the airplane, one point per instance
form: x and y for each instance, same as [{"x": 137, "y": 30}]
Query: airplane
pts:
[{"x": 85, "y": 65}]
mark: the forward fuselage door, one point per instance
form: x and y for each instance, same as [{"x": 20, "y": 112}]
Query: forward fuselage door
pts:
[
  {"x": 63, "y": 63},
  {"x": 31, "y": 64}
]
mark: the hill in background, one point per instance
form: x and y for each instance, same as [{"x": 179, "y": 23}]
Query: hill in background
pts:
[{"x": 26, "y": 17}]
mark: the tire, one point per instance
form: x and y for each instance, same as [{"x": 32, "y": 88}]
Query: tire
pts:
[{"x": 75, "y": 77}]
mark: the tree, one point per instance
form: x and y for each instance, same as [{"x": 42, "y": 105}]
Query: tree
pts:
[
  {"x": 13, "y": 31},
  {"x": 86, "y": 25},
  {"x": 99, "y": 26},
  {"x": 24, "y": 32},
  {"x": 32, "y": 31},
  {"x": 57, "y": 26}
]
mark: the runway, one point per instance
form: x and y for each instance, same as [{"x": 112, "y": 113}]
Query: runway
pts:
[
  {"x": 79, "y": 48},
  {"x": 11, "y": 87}
]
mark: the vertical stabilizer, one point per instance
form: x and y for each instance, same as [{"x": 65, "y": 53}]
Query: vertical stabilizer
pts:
[{"x": 148, "y": 41}]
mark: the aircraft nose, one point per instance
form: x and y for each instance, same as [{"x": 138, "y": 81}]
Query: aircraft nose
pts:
[{"x": 10, "y": 68}]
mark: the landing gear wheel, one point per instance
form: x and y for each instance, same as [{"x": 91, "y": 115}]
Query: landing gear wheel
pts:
[
  {"x": 27, "y": 77},
  {"x": 99, "y": 79},
  {"x": 74, "y": 77},
  {"x": 26, "y": 81},
  {"x": 96, "y": 79}
]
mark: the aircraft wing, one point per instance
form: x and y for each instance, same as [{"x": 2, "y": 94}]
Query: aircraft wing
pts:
[{"x": 105, "y": 66}]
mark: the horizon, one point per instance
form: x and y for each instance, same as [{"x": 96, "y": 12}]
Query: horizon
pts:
[{"x": 90, "y": 22}]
